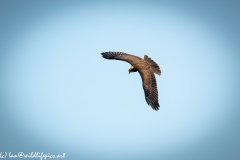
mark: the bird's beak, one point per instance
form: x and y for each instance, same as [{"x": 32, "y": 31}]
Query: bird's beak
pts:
[{"x": 129, "y": 71}]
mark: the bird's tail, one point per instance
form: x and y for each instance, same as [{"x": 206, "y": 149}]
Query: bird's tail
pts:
[{"x": 154, "y": 65}]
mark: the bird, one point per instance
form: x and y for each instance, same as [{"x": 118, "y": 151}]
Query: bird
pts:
[{"x": 146, "y": 68}]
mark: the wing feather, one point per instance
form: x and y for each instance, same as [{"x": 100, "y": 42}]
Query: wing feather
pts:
[
  {"x": 150, "y": 88},
  {"x": 121, "y": 56}
]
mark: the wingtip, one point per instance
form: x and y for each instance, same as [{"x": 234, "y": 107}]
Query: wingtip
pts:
[
  {"x": 155, "y": 105},
  {"x": 105, "y": 54},
  {"x": 156, "y": 108}
]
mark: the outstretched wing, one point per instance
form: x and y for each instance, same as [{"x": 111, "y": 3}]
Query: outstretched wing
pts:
[
  {"x": 150, "y": 88},
  {"x": 121, "y": 56}
]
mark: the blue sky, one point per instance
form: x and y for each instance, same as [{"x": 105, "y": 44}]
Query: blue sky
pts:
[{"x": 58, "y": 95}]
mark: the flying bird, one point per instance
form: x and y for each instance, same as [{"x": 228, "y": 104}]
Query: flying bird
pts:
[{"x": 146, "y": 68}]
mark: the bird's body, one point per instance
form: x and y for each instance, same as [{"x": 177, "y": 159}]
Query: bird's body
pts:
[{"x": 146, "y": 68}]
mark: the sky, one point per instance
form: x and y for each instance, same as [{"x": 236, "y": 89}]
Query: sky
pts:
[{"x": 58, "y": 95}]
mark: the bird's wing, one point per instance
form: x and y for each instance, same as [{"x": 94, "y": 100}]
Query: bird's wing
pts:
[
  {"x": 121, "y": 56},
  {"x": 150, "y": 88}
]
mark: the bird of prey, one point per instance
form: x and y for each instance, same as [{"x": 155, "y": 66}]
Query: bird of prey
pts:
[{"x": 146, "y": 67}]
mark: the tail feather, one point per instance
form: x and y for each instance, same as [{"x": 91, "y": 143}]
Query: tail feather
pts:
[{"x": 154, "y": 65}]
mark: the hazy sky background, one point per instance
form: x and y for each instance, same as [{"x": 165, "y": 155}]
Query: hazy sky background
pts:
[{"x": 58, "y": 95}]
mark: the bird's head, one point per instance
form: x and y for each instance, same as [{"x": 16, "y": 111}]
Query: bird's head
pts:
[{"x": 132, "y": 69}]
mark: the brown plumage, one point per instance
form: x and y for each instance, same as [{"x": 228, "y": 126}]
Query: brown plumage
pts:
[{"x": 146, "y": 68}]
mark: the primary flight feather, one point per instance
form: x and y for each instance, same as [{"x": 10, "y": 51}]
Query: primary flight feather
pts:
[{"x": 146, "y": 68}]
